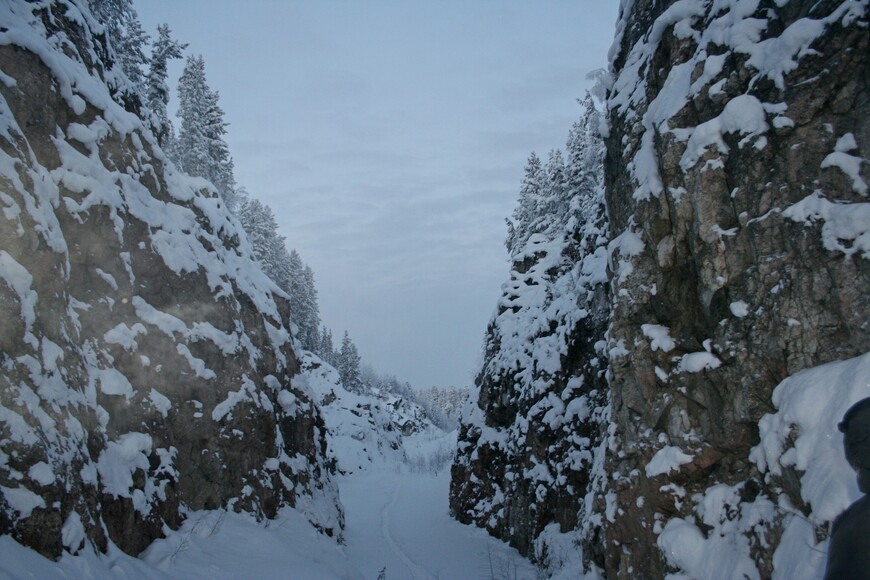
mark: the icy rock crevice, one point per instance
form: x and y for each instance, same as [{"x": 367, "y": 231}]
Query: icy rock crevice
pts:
[{"x": 144, "y": 356}]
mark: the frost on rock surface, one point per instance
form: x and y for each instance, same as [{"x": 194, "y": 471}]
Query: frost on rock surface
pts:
[
  {"x": 529, "y": 444},
  {"x": 737, "y": 163},
  {"x": 144, "y": 356}
]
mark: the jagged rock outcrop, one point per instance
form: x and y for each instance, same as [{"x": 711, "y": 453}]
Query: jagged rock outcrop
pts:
[
  {"x": 736, "y": 180},
  {"x": 146, "y": 364},
  {"x": 527, "y": 443}
]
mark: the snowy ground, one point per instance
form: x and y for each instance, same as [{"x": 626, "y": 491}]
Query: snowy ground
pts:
[
  {"x": 402, "y": 523},
  {"x": 397, "y": 520}
]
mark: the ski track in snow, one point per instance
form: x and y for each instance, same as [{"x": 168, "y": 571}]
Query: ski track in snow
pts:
[
  {"x": 398, "y": 519},
  {"x": 413, "y": 568}
]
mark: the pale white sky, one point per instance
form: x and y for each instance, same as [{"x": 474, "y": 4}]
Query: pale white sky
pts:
[{"x": 389, "y": 137}]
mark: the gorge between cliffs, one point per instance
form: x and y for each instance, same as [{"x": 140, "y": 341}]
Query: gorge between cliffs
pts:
[{"x": 682, "y": 323}]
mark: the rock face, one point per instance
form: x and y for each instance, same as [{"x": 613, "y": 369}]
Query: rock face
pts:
[
  {"x": 527, "y": 445},
  {"x": 736, "y": 187},
  {"x": 739, "y": 255},
  {"x": 146, "y": 362}
]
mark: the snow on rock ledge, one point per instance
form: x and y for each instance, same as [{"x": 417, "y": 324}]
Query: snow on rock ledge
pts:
[{"x": 143, "y": 354}]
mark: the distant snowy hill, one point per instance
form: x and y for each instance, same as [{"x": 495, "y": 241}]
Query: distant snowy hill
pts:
[{"x": 445, "y": 403}]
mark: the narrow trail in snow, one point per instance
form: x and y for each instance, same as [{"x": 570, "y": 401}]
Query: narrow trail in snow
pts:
[
  {"x": 398, "y": 519},
  {"x": 415, "y": 570}
]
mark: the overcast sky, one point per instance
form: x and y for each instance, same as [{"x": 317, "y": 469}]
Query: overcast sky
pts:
[{"x": 389, "y": 137}]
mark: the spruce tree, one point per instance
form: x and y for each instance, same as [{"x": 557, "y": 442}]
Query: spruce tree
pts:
[
  {"x": 556, "y": 198},
  {"x": 349, "y": 365},
  {"x": 130, "y": 50},
  {"x": 585, "y": 150},
  {"x": 585, "y": 171},
  {"x": 303, "y": 301},
  {"x": 221, "y": 167},
  {"x": 528, "y": 205},
  {"x": 556, "y": 194},
  {"x": 192, "y": 138},
  {"x": 269, "y": 247},
  {"x": 165, "y": 48},
  {"x": 289, "y": 272},
  {"x": 326, "y": 351},
  {"x": 202, "y": 150},
  {"x": 125, "y": 38},
  {"x": 310, "y": 335}
]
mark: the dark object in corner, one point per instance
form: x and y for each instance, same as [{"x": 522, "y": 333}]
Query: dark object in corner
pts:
[
  {"x": 855, "y": 427},
  {"x": 849, "y": 545}
]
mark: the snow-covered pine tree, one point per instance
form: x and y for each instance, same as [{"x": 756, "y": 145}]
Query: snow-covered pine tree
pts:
[
  {"x": 556, "y": 195},
  {"x": 126, "y": 38},
  {"x": 221, "y": 168},
  {"x": 349, "y": 364},
  {"x": 303, "y": 301},
  {"x": 269, "y": 248},
  {"x": 543, "y": 202},
  {"x": 527, "y": 210},
  {"x": 130, "y": 51},
  {"x": 192, "y": 91},
  {"x": 202, "y": 150},
  {"x": 326, "y": 351},
  {"x": 289, "y": 272},
  {"x": 311, "y": 336},
  {"x": 585, "y": 151},
  {"x": 164, "y": 49}
]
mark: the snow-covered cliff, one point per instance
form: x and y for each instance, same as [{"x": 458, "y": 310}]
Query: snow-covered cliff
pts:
[
  {"x": 529, "y": 446},
  {"x": 147, "y": 363},
  {"x": 736, "y": 336},
  {"x": 365, "y": 429},
  {"x": 736, "y": 187}
]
